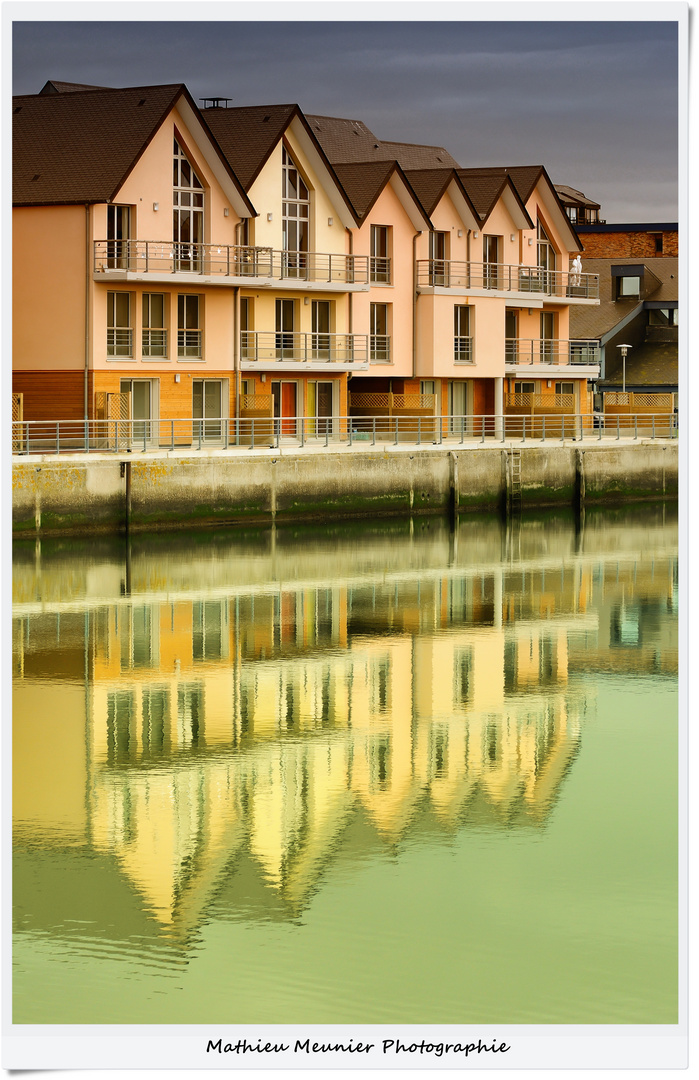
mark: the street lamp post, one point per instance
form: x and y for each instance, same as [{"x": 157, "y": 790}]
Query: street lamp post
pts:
[{"x": 624, "y": 350}]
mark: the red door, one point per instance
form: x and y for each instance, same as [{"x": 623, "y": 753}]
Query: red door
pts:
[{"x": 288, "y": 408}]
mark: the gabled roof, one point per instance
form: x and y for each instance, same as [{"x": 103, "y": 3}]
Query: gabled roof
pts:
[
  {"x": 486, "y": 188},
  {"x": 363, "y": 182},
  {"x": 345, "y": 140},
  {"x": 248, "y": 135},
  {"x": 54, "y": 87},
  {"x": 79, "y": 147},
  {"x": 525, "y": 178},
  {"x": 430, "y": 186}
]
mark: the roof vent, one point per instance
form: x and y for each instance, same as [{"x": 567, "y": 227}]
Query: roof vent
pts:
[
  {"x": 142, "y": 101},
  {"x": 18, "y": 109},
  {"x": 376, "y": 146},
  {"x": 265, "y": 119},
  {"x": 35, "y": 177},
  {"x": 438, "y": 158}
]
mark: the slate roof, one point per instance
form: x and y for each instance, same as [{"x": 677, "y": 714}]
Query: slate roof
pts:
[
  {"x": 346, "y": 140},
  {"x": 79, "y": 147},
  {"x": 593, "y": 321},
  {"x": 55, "y": 87},
  {"x": 649, "y": 364},
  {"x": 524, "y": 177},
  {"x": 248, "y": 135},
  {"x": 571, "y": 196}
]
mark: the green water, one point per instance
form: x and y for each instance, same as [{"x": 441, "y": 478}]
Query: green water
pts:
[{"x": 392, "y": 773}]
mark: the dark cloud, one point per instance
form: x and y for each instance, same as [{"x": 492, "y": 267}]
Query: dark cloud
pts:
[{"x": 595, "y": 102}]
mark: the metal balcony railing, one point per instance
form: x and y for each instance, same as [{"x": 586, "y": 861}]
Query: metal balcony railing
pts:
[
  {"x": 160, "y": 257},
  {"x": 380, "y": 348},
  {"x": 521, "y": 352},
  {"x": 379, "y": 270},
  {"x": 503, "y": 278},
  {"x": 154, "y": 342},
  {"x": 189, "y": 344},
  {"x": 463, "y": 350},
  {"x": 119, "y": 341},
  {"x": 272, "y": 345}
]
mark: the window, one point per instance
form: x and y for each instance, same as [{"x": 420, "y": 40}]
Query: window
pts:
[
  {"x": 439, "y": 255},
  {"x": 247, "y": 337},
  {"x": 187, "y": 213},
  {"x": 188, "y": 327},
  {"x": 492, "y": 254},
  {"x": 118, "y": 235},
  {"x": 154, "y": 334},
  {"x": 379, "y": 340},
  {"x": 119, "y": 330},
  {"x": 663, "y": 317},
  {"x": 207, "y": 405},
  {"x": 565, "y": 388},
  {"x": 658, "y": 242},
  {"x": 463, "y": 341},
  {"x": 525, "y": 388},
  {"x": 628, "y": 287},
  {"x": 547, "y": 335},
  {"x": 296, "y": 205},
  {"x": 380, "y": 262}
]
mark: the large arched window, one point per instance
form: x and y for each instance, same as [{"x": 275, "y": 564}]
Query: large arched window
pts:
[{"x": 187, "y": 212}]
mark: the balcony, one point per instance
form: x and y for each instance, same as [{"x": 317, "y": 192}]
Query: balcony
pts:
[
  {"x": 222, "y": 264},
  {"x": 527, "y": 281},
  {"x": 345, "y": 352},
  {"x": 553, "y": 352}
]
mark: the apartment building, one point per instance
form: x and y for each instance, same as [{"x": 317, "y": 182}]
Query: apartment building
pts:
[{"x": 215, "y": 263}]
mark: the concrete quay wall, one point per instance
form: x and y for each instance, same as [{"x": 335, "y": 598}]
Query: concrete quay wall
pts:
[{"x": 107, "y": 493}]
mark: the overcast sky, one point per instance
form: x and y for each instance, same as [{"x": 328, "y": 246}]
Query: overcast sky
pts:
[{"x": 595, "y": 102}]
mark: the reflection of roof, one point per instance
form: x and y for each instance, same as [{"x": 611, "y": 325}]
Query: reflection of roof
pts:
[{"x": 594, "y": 322}]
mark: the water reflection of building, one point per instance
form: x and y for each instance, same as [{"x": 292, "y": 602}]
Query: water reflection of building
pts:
[{"x": 202, "y": 732}]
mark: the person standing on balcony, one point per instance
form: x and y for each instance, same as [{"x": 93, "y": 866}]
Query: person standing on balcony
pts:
[{"x": 575, "y": 271}]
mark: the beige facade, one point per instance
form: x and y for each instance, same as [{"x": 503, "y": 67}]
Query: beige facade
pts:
[{"x": 196, "y": 299}]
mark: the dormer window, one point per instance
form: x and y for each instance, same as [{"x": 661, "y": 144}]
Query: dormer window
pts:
[{"x": 627, "y": 281}]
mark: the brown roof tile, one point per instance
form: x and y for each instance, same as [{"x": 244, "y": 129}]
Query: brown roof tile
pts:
[
  {"x": 79, "y": 147},
  {"x": 55, "y": 87},
  {"x": 247, "y": 135},
  {"x": 594, "y": 322},
  {"x": 345, "y": 140}
]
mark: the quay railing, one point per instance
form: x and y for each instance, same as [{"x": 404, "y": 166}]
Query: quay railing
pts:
[
  {"x": 520, "y": 352},
  {"x": 188, "y": 434},
  {"x": 272, "y": 345},
  {"x": 500, "y": 277},
  {"x": 159, "y": 257}
]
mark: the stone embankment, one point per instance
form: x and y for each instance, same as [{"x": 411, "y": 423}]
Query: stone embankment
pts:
[{"x": 85, "y": 493}]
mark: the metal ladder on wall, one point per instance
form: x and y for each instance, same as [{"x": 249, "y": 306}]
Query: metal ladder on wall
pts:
[{"x": 515, "y": 481}]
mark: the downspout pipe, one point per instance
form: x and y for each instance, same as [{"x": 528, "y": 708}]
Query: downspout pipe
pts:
[
  {"x": 236, "y": 350},
  {"x": 412, "y": 375},
  {"x": 350, "y": 311},
  {"x": 87, "y": 311}
]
